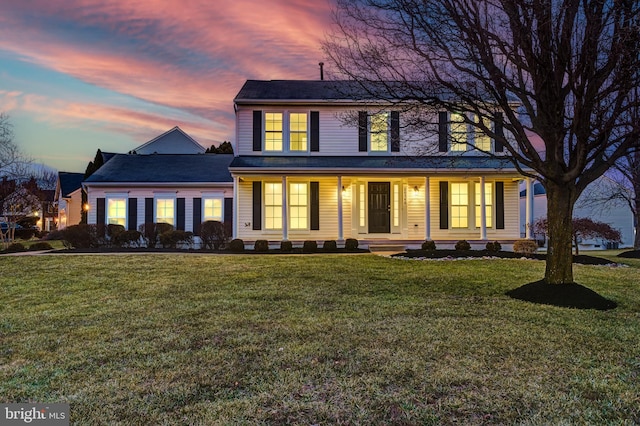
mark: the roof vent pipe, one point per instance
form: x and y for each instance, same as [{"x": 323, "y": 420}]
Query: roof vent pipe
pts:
[{"x": 321, "y": 70}]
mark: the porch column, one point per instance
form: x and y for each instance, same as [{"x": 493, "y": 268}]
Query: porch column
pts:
[
  {"x": 427, "y": 209},
  {"x": 340, "y": 224},
  {"x": 285, "y": 222},
  {"x": 529, "y": 209},
  {"x": 483, "y": 211},
  {"x": 234, "y": 226}
]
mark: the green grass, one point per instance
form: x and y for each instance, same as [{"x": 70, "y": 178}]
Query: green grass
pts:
[{"x": 198, "y": 339}]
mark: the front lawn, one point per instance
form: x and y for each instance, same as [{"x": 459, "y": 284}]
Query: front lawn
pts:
[{"x": 351, "y": 339}]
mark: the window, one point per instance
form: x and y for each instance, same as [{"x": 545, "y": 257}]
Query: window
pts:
[
  {"x": 488, "y": 202},
  {"x": 459, "y": 205},
  {"x": 298, "y": 131},
  {"x": 273, "y": 131},
  {"x": 362, "y": 205},
  {"x": 482, "y": 141},
  {"x": 396, "y": 205},
  {"x": 116, "y": 211},
  {"x": 379, "y": 132},
  {"x": 165, "y": 210},
  {"x": 298, "y": 206},
  {"x": 272, "y": 205},
  {"x": 458, "y": 132},
  {"x": 212, "y": 209}
]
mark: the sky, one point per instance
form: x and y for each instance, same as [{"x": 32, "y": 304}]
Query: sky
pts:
[{"x": 81, "y": 75}]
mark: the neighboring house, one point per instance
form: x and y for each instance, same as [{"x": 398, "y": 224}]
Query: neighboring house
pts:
[
  {"x": 313, "y": 164},
  {"x": 69, "y": 198},
  {"x": 183, "y": 190},
  {"x": 616, "y": 213},
  {"x": 174, "y": 141}
]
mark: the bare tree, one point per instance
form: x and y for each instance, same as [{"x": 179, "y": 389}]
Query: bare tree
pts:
[
  {"x": 13, "y": 163},
  {"x": 563, "y": 71}
]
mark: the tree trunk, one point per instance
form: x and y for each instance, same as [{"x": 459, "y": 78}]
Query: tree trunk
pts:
[
  {"x": 636, "y": 219},
  {"x": 560, "y": 202}
]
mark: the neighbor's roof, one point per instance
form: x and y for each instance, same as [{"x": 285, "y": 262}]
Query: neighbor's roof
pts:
[
  {"x": 396, "y": 164},
  {"x": 164, "y": 168},
  {"x": 174, "y": 141},
  {"x": 70, "y": 182}
]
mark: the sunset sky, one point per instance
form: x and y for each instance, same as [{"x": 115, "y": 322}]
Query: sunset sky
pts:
[{"x": 78, "y": 75}]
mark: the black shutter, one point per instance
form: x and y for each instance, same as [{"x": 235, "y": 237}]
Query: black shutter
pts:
[
  {"x": 499, "y": 130},
  {"x": 228, "y": 210},
  {"x": 395, "y": 131},
  {"x": 257, "y": 205},
  {"x": 315, "y": 131},
  {"x": 444, "y": 205},
  {"x": 132, "y": 219},
  {"x": 180, "y": 219},
  {"x": 197, "y": 215},
  {"x": 443, "y": 132},
  {"x": 148, "y": 210},
  {"x": 362, "y": 131},
  {"x": 257, "y": 130},
  {"x": 315, "y": 206},
  {"x": 499, "y": 205},
  {"x": 101, "y": 211}
]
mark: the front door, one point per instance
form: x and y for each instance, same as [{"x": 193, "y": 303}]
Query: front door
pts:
[{"x": 379, "y": 207}]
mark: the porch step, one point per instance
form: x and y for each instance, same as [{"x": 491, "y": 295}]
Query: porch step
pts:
[{"x": 387, "y": 248}]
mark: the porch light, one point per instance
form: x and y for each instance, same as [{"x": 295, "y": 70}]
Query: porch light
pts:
[
  {"x": 85, "y": 207},
  {"x": 416, "y": 189}
]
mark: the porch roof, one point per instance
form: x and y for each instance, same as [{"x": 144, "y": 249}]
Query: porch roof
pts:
[{"x": 373, "y": 164}]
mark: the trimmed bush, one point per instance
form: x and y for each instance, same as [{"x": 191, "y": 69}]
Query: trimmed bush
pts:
[
  {"x": 351, "y": 244},
  {"x": 310, "y": 247},
  {"x": 81, "y": 236},
  {"x": 286, "y": 246},
  {"x": 25, "y": 233},
  {"x": 261, "y": 246},
  {"x": 330, "y": 246},
  {"x": 493, "y": 246},
  {"x": 40, "y": 246},
  {"x": 213, "y": 234},
  {"x": 15, "y": 248},
  {"x": 429, "y": 245},
  {"x": 236, "y": 245},
  {"x": 53, "y": 235},
  {"x": 130, "y": 238},
  {"x": 151, "y": 232},
  {"x": 526, "y": 247},
  {"x": 463, "y": 245},
  {"x": 173, "y": 238}
]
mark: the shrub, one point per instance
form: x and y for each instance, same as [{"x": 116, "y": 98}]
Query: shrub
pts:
[
  {"x": 130, "y": 238},
  {"x": 175, "y": 237},
  {"x": 53, "y": 235},
  {"x": 463, "y": 245},
  {"x": 351, "y": 244},
  {"x": 309, "y": 247},
  {"x": 429, "y": 245},
  {"x": 151, "y": 232},
  {"x": 25, "y": 233},
  {"x": 493, "y": 246},
  {"x": 261, "y": 246},
  {"x": 113, "y": 230},
  {"x": 236, "y": 245},
  {"x": 330, "y": 246},
  {"x": 81, "y": 236},
  {"x": 526, "y": 247},
  {"x": 15, "y": 248},
  {"x": 40, "y": 246},
  {"x": 286, "y": 246},
  {"x": 213, "y": 234}
]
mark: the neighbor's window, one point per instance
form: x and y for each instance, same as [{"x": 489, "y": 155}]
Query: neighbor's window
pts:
[
  {"x": 298, "y": 131},
  {"x": 272, "y": 205},
  {"x": 488, "y": 203},
  {"x": 459, "y": 205},
  {"x": 458, "y": 132},
  {"x": 116, "y": 211},
  {"x": 273, "y": 131},
  {"x": 298, "y": 205},
  {"x": 379, "y": 132},
  {"x": 481, "y": 140},
  {"x": 212, "y": 209},
  {"x": 165, "y": 210}
]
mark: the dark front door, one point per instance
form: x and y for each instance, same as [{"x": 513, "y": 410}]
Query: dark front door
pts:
[{"x": 379, "y": 207}]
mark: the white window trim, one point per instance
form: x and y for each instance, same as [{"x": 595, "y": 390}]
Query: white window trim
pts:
[
  {"x": 476, "y": 204},
  {"x": 212, "y": 197},
  {"x": 308, "y": 205},
  {"x": 117, "y": 196},
  {"x": 171, "y": 196},
  {"x": 286, "y": 132},
  {"x": 264, "y": 207},
  {"x": 470, "y": 205},
  {"x": 369, "y": 133}
]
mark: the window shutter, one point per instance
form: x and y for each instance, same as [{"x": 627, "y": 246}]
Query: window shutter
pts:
[
  {"x": 395, "y": 131},
  {"x": 257, "y": 205},
  {"x": 314, "y": 192},
  {"x": 148, "y": 210},
  {"x": 362, "y": 131},
  {"x": 257, "y": 130},
  {"x": 180, "y": 219},
  {"x": 499, "y": 130},
  {"x": 197, "y": 215},
  {"x": 499, "y": 205},
  {"x": 444, "y": 205},
  {"x": 132, "y": 219},
  {"x": 228, "y": 210},
  {"x": 443, "y": 130},
  {"x": 315, "y": 131},
  {"x": 101, "y": 211}
]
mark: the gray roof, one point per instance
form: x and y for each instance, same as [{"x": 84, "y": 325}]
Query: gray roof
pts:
[
  {"x": 373, "y": 163},
  {"x": 164, "y": 168},
  {"x": 70, "y": 182}
]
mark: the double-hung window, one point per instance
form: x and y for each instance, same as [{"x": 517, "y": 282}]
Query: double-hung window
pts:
[
  {"x": 379, "y": 132},
  {"x": 272, "y": 205},
  {"x": 286, "y": 131},
  {"x": 459, "y": 132},
  {"x": 298, "y": 131},
  {"x": 117, "y": 211},
  {"x": 165, "y": 210},
  {"x": 273, "y": 134},
  {"x": 212, "y": 209},
  {"x": 482, "y": 141},
  {"x": 298, "y": 205},
  {"x": 488, "y": 203},
  {"x": 459, "y": 205}
]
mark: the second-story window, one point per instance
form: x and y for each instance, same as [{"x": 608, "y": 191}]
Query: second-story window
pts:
[
  {"x": 379, "y": 132},
  {"x": 459, "y": 132},
  {"x": 482, "y": 141},
  {"x": 273, "y": 131},
  {"x": 297, "y": 131}
]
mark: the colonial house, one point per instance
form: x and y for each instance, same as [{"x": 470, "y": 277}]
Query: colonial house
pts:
[
  {"x": 68, "y": 195},
  {"x": 313, "y": 164}
]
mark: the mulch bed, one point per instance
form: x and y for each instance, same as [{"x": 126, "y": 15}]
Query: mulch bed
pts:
[
  {"x": 633, "y": 254},
  {"x": 562, "y": 295},
  {"x": 203, "y": 251},
  {"x": 441, "y": 254}
]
